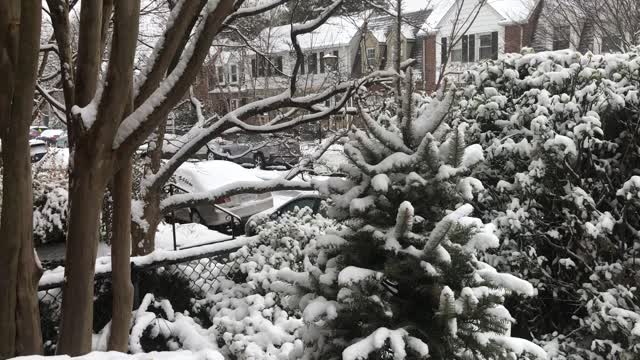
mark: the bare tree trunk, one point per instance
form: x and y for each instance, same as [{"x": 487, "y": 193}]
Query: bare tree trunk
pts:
[
  {"x": 397, "y": 56},
  {"x": 120, "y": 260},
  {"x": 19, "y": 315},
  {"x": 88, "y": 183}
]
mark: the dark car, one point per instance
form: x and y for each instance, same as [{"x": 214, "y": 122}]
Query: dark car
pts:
[{"x": 274, "y": 153}]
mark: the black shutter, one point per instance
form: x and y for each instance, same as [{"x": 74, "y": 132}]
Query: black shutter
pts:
[
  {"x": 443, "y": 50},
  {"x": 254, "y": 68},
  {"x": 302, "y": 65},
  {"x": 472, "y": 47},
  {"x": 465, "y": 48},
  {"x": 321, "y": 62},
  {"x": 494, "y": 45}
]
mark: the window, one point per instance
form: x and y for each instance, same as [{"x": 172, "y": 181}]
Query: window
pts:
[
  {"x": 262, "y": 67},
  {"x": 234, "y": 73},
  {"x": 234, "y": 104},
  {"x": 561, "y": 37},
  {"x": 322, "y": 62},
  {"x": 485, "y": 47},
  {"x": 254, "y": 68},
  {"x": 456, "y": 52},
  {"x": 220, "y": 74},
  {"x": 371, "y": 56},
  {"x": 277, "y": 62},
  {"x": 302, "y": 65},
  {"x": 312, "y": 61}
]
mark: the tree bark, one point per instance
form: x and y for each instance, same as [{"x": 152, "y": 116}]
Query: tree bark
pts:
[
  {"x": 87, "y": 184},
  {"x": 120, "y": 260},
  {"x": 19, "y": 45}
]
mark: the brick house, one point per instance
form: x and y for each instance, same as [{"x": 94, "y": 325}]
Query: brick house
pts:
[{"x": 234, "y": 75}]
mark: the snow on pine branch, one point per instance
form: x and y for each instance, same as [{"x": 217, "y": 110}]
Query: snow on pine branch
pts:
[{"x": 179, "y": 201}]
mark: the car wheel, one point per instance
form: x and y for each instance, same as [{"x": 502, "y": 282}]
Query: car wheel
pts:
[
  {"x": 258, "y": 161},
  {"x": 211, "y": 156},
  {"x": 195, "y": 217}
]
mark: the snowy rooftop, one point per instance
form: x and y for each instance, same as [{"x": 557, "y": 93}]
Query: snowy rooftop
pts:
[
  {"x": 337, "y": 31},
  {"x": 511, "y": 11},
  {"x": 380, "y": 26}
]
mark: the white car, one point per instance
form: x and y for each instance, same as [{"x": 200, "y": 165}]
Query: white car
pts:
[
  {"x": 205, "y": 176},
  {"x": 38, "y": 150}
]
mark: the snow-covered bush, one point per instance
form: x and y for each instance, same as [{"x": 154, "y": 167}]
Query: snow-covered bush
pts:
[
  {"x": 50, "y": 197},
  {"x": 157, "y": 327},
  {"x": 258, "y": 318},
  {"x": 402, "y": 279},
  {"x": 561, "y": 138}
]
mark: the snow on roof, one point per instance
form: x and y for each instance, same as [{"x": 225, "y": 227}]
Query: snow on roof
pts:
[
  {"x": 209, "y": 175},
  {"x": 337, "y": 31},
  {"x": 511, "y": 11},
  {"x": 381, "y": 26},
  {"x": 49, "y": 133}
]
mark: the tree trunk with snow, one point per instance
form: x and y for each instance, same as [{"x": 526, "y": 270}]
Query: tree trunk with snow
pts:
[{"x": 19, "y": 314}]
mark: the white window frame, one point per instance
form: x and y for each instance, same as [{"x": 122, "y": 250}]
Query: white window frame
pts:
[
  {"x": 234, "y": 104},
  {"x": 455, "y": 50},
  {"x": 371, "y": 59},
  {"x": 479, "y": 47},
  {"x": 233, "y": 73}
]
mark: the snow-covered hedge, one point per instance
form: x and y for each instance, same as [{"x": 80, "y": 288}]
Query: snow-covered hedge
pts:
[
  {"x": 561, "y": 139},
  {"x": 50, "y": 197},
  {"x": 261, "y": 318}
]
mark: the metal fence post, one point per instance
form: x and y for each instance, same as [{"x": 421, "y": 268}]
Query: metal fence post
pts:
[{"x": 173, "y": 222}]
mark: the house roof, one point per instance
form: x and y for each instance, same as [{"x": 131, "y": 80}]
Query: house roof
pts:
[
  {"x": 381, "y": 26},
  {"x": 336, "y": 31},
  {"x": 511, "y": 11}
]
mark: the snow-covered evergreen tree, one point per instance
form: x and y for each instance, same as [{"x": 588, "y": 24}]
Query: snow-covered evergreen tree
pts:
[
  {"x": 403, "y": 279},
  {"x": 561, "y": 139}
]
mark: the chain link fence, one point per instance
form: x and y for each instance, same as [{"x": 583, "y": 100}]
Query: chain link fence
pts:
[{"x": 197, "y": 273}]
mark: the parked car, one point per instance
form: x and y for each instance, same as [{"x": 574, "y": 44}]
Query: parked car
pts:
[
  {"x": 282, "y": 153},
  {"x": 210, "y": 175},
  {"x": 312, "y": 201},
  {"x": 172, "y": 144},
  {"x": 51, "y": 136},
  {"x": 63, "y": 141},
  {"x": 36, "y": 130},
  {"x": 38, "y": 150}
]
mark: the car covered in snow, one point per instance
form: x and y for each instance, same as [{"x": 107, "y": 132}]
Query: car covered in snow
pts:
[
  {"x": 271, "y": 153},
  {"x": 206, "y": 176},
  {"x": 51, "y": 136},
  {"x": 36, "y": 130},
  {"x": 312, "y": 201}
]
